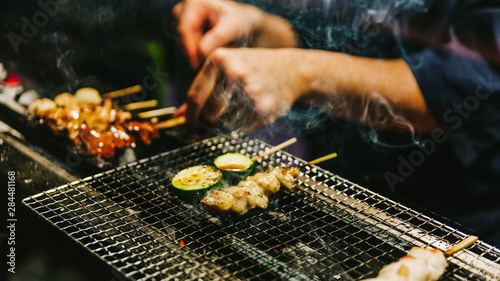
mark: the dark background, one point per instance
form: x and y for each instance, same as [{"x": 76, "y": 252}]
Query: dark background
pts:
[{"x": 103, "y": 44}]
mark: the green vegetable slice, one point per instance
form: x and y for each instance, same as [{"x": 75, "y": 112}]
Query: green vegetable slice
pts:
[
  {"x": 193, "y": 183},
  {"x": 233, "y": 162},
  {"x": 234, "y": 166}
]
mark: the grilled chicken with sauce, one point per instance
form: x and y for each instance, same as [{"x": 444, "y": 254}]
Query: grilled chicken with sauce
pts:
[
  {"x": 95, "y": 129},
  {"x": 251, "y": 193}
]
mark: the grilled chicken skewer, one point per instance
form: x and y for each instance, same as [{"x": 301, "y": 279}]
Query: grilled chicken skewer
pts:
[
  {"x": 251, "y": 193},
  {"x": 255, "y": 190},
  {"x": 95, "y": 129},
  {"x": 421, "y": 264}
]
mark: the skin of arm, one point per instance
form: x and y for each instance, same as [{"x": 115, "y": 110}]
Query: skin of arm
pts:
[
  {"x": 276, "y": 78},
  {"x": 365, "y": 80}
]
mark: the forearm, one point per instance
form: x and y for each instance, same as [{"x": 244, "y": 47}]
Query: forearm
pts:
[{"x": 374, "y": 91}]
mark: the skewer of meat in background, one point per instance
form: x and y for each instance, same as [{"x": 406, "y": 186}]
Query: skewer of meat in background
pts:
[
  {"x": 421, "y": 264},
  {"x": 96, "y": 127}
]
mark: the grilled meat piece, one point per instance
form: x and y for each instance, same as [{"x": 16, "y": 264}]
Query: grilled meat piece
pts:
[
  {"x": 286, "y": 176},
  {"x": 251, "y": 193},
  {"x": 121, "y": 137},
  {"x": 95, "y": 129},
  {"x": 267, "y": 181},
  {"x": 217, "y": 201},
  {"x": 146, "y": 131},
  {"x": 421, "y": 264},
  {"x": 91, "y": 142}
]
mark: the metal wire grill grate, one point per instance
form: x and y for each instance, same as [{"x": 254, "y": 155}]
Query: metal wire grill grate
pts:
[{"x": 326, "y": 228}]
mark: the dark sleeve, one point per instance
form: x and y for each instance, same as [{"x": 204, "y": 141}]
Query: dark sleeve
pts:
[{"x": 460, "y": 80}]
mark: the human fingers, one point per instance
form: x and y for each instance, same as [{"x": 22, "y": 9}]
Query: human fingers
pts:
[
  {"x": 243, "y": 88},
  {"x": 225, "y": 32},
  {"x": 192, "y": 16},
  {"x": 177, "y": 9},
  {"x": 271, "y": 79},
  {"x": 181, "y": 111},
  {"x": 199, "y": 92},
  {"x": 244, "y": 95}
]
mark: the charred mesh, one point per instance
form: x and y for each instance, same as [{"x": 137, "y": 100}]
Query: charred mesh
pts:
[{"x": 326, "y": 228}]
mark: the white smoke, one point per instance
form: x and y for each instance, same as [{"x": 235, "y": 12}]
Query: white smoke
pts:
[{"x": 350, "y": 26}]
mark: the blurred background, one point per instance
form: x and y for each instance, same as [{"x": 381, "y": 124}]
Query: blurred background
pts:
[{"x": 57, "y": 46}]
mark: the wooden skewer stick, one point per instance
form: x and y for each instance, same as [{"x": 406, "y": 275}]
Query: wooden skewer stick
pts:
[
  {"x": 171, "y": 123},
  {"x": 157, "y": 112},
  {"x": 321, "y": 159},
  {"x": 122, "y": 92},
  {"x": 141, "y": 105},
  {"x": 276, "y": 148},
  {"x": 460, "y": 246}
]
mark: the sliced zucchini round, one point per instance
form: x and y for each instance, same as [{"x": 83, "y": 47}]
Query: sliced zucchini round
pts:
[
  {"x": 234, "y": 166},
  {"x": 193, "y": 183}
]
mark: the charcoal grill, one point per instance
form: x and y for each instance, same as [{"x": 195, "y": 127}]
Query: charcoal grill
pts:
[{"x": 326, "y": 228}]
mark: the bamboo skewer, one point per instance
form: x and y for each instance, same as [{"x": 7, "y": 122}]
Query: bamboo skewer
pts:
[
  {"x": 432, "y": 272},
  {"x": 141, "y": 105},
  {"x": 276, "y": 148},
  {"x": 321, "y": 159},
  {"x": 122, "y": 92},
  {"x": 157, "y": 112},
  {"x": 177, "y": 121},
  {"x": 460, "y": 246}
]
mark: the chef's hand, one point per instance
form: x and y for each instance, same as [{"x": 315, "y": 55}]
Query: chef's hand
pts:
[
  {"x": 379, "y": 93},
  {"x": 205, "y": 25},
  {"x": 251, "y": 86}
]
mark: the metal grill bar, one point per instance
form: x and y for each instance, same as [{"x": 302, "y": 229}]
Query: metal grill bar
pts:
[{"x": 327, "y": 228}]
